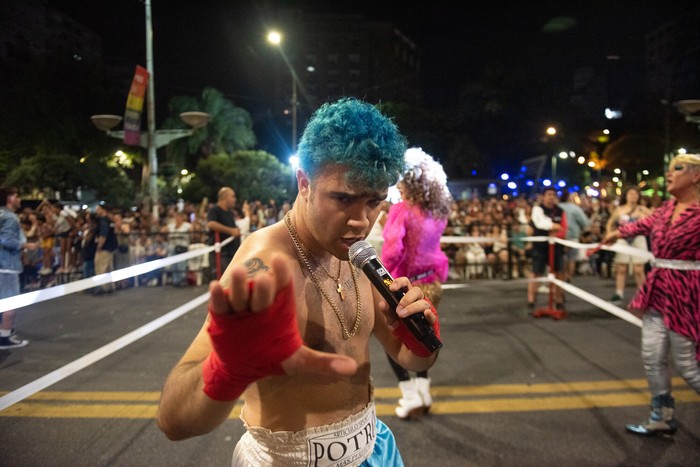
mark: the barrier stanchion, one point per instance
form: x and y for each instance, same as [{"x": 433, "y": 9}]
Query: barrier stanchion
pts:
[{"x": 550, "y": 311}]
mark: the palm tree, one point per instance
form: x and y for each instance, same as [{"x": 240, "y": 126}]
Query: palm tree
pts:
[{"x": 230, "y": 129}]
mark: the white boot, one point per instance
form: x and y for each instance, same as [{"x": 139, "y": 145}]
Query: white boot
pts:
[
  {"x": 423, "y": 387},
  {"x": 410, "y": 404}
]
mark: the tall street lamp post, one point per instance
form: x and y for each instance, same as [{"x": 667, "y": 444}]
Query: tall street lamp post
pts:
[
  {"x": 275, "y": 38},
  {"x": 551, "y": 131},
  {"x": 152, "y": 139}
]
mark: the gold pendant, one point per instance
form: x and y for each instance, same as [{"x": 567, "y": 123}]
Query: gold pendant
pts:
[{"x": 340, "y": 292}]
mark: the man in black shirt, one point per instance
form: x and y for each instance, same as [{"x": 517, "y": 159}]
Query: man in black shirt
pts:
[
  {"x": 221, "y": 222},
  {"x": 106, "y": 246},
  {"x": 547, "y": 219}
]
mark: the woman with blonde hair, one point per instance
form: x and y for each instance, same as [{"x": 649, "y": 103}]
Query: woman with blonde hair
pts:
[
  {"x": 412, "y": 248},
  {"x": 670, "y": 297},
  {"x": 629, "y": 210}
]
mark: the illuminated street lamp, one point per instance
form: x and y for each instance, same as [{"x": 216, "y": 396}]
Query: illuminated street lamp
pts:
[
  {"x": 275, "y": 38},
  {"x": 551, "y": 131},
  {"x": 152, "y": 139},
  {"x": 690, "y": 108},
  {"x": 195, "y": 120},
  {"x": 106, "y": 123},
  {"x": 562, "y": 155}
]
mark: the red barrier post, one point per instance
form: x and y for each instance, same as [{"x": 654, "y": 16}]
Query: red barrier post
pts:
[{"x": 551, "y": 310}]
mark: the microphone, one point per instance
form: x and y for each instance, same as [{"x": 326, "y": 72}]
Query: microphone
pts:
[{"x": 363, "y": 256}]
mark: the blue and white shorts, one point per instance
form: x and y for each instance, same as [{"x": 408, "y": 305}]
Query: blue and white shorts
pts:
[{"x": 359, "y": 440}]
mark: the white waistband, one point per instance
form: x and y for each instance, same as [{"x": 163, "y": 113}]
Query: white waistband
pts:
[{"x": 345, "y": 443}]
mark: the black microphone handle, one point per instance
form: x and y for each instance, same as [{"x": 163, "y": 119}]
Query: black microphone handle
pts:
[{"x": 416, "y": 323}]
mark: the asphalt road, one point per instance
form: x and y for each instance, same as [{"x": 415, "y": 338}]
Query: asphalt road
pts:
[{"x": 509, "y": 389}]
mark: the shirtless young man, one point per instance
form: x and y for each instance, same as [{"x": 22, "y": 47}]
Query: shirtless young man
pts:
[{"x": 289, "y": 324}]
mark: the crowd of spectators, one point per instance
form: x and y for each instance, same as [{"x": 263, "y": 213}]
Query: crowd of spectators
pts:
[
  {"x": 62, "y": 240},
  {"x": 499, "y": 225}
]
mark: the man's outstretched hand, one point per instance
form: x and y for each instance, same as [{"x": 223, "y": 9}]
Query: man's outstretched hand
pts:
[{"x": 254, "y": 333}]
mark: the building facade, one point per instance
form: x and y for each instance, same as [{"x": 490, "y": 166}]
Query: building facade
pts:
[{"x": 336, "y": 55}]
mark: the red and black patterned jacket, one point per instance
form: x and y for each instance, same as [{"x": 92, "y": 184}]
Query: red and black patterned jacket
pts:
[{"x": 675, "y": 293}]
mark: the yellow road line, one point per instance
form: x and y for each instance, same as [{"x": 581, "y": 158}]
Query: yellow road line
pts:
[
  {"x": 446, "y": 399},
  {"x": 96, "y": 396},
  {"x": 437, "y": 391},
  {"x": 541, "y": 388},
  {"x": 513, "y": 404}
]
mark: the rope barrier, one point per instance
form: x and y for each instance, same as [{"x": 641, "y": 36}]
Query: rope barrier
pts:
[
  {"x": 618, "y": 248},
  {"x": 83, "y": 362},
  {"x": 121, "y": 274},
  {"x": 597, "y": 301},
  {"x": 29, "y": 298}
]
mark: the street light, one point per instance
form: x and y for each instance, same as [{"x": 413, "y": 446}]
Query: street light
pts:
[
  {"x": 690, "y": 108},
  {"x": 151, "y": 139},
  {"x": 195, "y": 120},
  {"x": 275, "y": 38},
  {"x": 552, "y": 131},
  {"x": 562, "y": 155},
  {"x": 160, "y": 138}
]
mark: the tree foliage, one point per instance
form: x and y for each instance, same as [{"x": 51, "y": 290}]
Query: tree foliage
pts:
[
  {"x": 63, "y": 173},
  {"x": 634, "y": 153},
  {"x": 253, "y": 174},
  {"x": 230, "y": 128}
]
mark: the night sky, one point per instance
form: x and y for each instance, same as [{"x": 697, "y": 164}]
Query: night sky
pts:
[
  {"x": 203, "y": 41},
  {"x": 221, "y": 44}
]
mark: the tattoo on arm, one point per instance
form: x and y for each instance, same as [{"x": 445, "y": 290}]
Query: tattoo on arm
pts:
[{"x": 255, "y": 265}]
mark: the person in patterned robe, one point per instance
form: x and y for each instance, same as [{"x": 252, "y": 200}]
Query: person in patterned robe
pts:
[{"x": 670, "y": 296}]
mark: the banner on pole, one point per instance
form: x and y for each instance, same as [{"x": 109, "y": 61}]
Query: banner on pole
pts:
[{"x": 134, "y": 107}]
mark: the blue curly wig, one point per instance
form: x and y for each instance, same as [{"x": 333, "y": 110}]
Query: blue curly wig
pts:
[{"x": 354, "y": 133}]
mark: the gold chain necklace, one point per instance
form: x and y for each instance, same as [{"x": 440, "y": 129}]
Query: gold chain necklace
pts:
[
  {"x": 298, "y": 245},
  {"x": 339, "y": 287}
]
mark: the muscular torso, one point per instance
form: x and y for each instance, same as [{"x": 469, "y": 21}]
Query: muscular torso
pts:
[{"x": 292, "y": 403}]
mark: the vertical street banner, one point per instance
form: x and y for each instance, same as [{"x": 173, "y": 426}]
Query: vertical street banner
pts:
[{"x": 134, "y": 107}]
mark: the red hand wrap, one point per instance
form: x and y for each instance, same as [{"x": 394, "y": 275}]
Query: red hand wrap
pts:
[
  {"x": 409, "y": 340},
  {"x": 249, "y": 347}
]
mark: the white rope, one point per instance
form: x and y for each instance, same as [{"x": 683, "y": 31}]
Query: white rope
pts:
[
  {"x": 67, "y": 370},
  {"x": 616, "y": 247},
  {"x": 18, "y": 301},
  {"x": 597, "y": 301},
  {"x": 461, "y": 239}
]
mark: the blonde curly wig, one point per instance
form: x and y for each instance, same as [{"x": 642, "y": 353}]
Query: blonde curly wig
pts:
[{"x": 425, "y": 184}]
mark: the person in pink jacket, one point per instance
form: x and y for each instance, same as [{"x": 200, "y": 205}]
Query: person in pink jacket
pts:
[
  {"x": 412, "y": 249},
  {"x": 670, "y": 295}
]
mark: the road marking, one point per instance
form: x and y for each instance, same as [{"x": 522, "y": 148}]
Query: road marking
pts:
[
  {"x": 96, "y": 355},
  {"x": 446, "y": 400}
]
